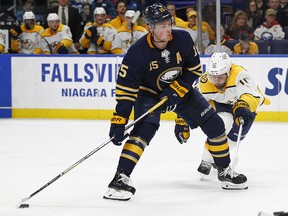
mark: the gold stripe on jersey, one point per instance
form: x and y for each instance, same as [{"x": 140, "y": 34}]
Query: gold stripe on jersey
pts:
[
  {"x": 196, "y": 70},
  {"x": 126, "y": 93},
  {"x": 148, "y": 89}
]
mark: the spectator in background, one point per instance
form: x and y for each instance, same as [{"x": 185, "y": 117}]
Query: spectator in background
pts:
[
  {"x": 284, "y": 9},
  {"x": 119, "y": 21},
  {"x": 254, "y": 15},
  {"x": 69, "y": 16},
  {"x": 28, "y": 5},
  {"x": 131, "y": 5},
  {"x": 270, "y": 28},
  {"x": 53, "y": 3},
  {"x": 106, "y": 5},
  {"x": 239, "y": 24},
  {"x": 2, "y": 43},
  {"x": 192, "y": 25},
  {"x": 127, "y": 35},
  {"x": 204, "y": 23},
  {"x": 172, "y": 10},
  {"x": 98, "y": 36},
  {"x": 280, "y": 14},
  {"x": 209, "y": 15},
  {"x": 212, "y": 47},
  {"x": 86, "y": 15},
  {"x": 26, "y": 38},
  {"x": 245, "y": 46},
  {"x": 57, "y": 38}
]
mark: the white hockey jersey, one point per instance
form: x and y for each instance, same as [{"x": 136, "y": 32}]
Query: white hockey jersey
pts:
[
  {"x": 239, "y": 86},
  {"x": 124, "y": 38},
  {"x": 50, "y": 40},
  {"x": 2, "y": 42},
  {"x": 29, "y": 41},
  {"x": 106, "y": 31},
  {"x": 274, "y": 32}
]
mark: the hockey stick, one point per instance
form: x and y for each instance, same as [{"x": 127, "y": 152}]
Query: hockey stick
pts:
[
  {"x": 235, "y": 160},
  {"x": 156, "y": 106},
  {"x": 133, "y": 21}
]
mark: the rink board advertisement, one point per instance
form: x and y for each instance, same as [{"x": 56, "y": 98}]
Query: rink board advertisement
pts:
[{"x": 84, "y": 86}]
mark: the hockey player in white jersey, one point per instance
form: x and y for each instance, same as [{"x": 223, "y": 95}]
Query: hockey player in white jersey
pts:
[
  {"x": 127, "y": 35},
  {"x": 98, "y": 36},
  {"x": 2, "y": 42},
  {"x": 233, "y": 94},
  {"x": 57, "y": 38},
  {"x": 25, "y": 38}
]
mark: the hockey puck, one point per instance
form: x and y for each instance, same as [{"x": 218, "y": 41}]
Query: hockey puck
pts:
[{"x": 24, "y": 206}]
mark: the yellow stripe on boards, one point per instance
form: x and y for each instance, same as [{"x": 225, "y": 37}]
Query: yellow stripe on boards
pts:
[{"x": 107, "y": 114}]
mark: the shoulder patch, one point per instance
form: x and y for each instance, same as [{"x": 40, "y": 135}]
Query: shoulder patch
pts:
[{"x": 204, "y": 78}]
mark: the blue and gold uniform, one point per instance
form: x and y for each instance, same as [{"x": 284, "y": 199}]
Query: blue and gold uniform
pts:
[
  {"x": 144, "y": 73},
  {"x": 164, "y": 63}
]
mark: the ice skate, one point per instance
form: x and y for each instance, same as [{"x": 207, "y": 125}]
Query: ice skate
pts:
[
  {"x": 205, "y": 167},
  {"x": 231, "y": 180},
  {"x": 120, "y": 188}
]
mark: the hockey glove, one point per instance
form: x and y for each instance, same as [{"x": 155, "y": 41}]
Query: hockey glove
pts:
[
  {"x": 90, "y": 32},
  {"x": 181, "y": 130},
  {"x": 117, "y": 129},
  {"x": 61, "y": 49},
  {"x": 175, "y": 92},
  {"x": 15, "y": 32},
  {"x": 241, "y": 109},
  {"x": 98, "y": 40}
]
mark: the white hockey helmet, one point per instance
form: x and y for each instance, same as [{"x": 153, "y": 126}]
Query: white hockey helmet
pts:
[
  {"x": 99, "y": 10},
  {"x": 219, "y": 63},
  {"x": 28, "y": 15},
  {"x": 129, "y": 13},
  {"x": 52, "y": 16}
]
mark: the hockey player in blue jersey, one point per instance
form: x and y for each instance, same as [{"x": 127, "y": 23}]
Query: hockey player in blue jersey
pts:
[{"x": 163, "y": 63}]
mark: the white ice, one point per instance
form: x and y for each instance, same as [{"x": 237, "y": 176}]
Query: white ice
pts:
[{"x": 33, "y": 152}]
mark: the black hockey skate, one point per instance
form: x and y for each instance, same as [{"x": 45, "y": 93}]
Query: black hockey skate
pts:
[
  {"x": 205, "y": 167},
  {"x": 120, "y": 188},
  {"x": 231, "y": 180}
]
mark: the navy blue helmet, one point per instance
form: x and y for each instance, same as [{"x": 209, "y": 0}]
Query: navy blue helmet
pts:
[{"x": 156, "y": 13}]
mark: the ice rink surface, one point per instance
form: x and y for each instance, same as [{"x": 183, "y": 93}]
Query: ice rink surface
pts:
[{"x": 33, "y": 152}]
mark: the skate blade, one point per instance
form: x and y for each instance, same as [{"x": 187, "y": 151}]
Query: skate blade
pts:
[
  {"x": 120, "y": 195},
  {"x": 230, "y": 186}
]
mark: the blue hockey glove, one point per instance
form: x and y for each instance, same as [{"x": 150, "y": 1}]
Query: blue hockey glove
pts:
[
  {"x": 241, "y": 109},
  {"x": 181, "y": 130},
  {"x": 15, "y": 31},
  {"x": 62, "y": 49},
  {"x": 117, "y": 129},
  {"x": 90, "y": 32},
  {"x": 98, "y": 40},
  {"x": 175, "y": 92}
]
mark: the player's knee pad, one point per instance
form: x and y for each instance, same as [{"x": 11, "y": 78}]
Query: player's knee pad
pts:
[
  {"x": 144, "y": 130},
  {"x": 213, "y": 127}
]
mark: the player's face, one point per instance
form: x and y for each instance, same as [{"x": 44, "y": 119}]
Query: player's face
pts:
[
  {"x": 53, "y": 25},
  {"x": 100, "y": 18},
  {"x": 128, "y": 20},
  {"x": 162, "y": 31},
  {"x": 29, "y": 23},
  {"x": 218, "y": 80}
]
